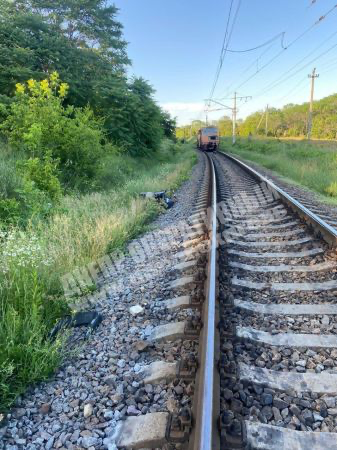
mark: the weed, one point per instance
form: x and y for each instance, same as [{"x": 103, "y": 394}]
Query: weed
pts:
[
  {"x": 301, "y": 162},
  {"x": 332, "y": 189},
  {"x": 82, "y": 229}
]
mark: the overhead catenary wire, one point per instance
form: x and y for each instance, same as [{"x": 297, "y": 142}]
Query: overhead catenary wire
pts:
[
  {"x": 291, "y": 71},
  {"x": 328, "y": 64},
  {"x": 217, "y": 73},
  {"x": 304, "y": 79},
  {"x": 268, "y": 89},
  {"x": 284, "y": 77},
  {"x": 300, "y": 36},
  {"x": 279, "y": 35},
  {"x": 254, "y": 63},
  {"x": 225, "y": 44},
  {"x": 299, "y": 83}
]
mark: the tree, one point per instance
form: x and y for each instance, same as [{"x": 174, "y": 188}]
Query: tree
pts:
[
  {"x": 168, "y": 124},
  {"x": 225, "y": 126},
  {"x": 89, "y": 24},
  {"x": 83, "y": 42},
  {"x": 145, "y": 117}
]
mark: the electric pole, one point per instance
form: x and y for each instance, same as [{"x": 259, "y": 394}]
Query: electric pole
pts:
[
  {"x": 312, "y": 76},
  {"x": 233, "y": 109},
  {"x": 234, "y": 119},
  {"x": 267, "y": 120}
]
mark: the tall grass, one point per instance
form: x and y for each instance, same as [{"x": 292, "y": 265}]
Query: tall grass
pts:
[
  {"x": 10, "y": 181},
  {"x": 306, "y": 164},
  {"x": 83, "y": 228}
]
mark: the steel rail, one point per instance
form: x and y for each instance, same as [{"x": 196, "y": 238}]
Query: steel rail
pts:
[
  {"x": 206, "y": 436},
  {"x": 326, "y": 231}
]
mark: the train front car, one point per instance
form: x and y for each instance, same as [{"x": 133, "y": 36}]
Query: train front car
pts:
[{"x": 208, "y": 139}]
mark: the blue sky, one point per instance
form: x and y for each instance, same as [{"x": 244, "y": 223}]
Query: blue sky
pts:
[{"x": 176, "y": 44}]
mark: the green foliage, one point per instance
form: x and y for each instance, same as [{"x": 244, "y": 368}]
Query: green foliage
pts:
[
  {"x": 189, "y": 131},
  {"x": 28, "y": 187},
  {"x": 10, "y": 179},
  {"x": 289, "y": 121},
  {"x": 93, "y": 132},
  {"x": 10, "y": 211},
  {"x": 225, "y": 126},
  {"x": 40, "y": 125},
  {"x": 169, "y": 125},
  {"x": 82, "y": 40},
  {"x": 82, "y": 229},
  {"x": 26, "y": 355},
  {"x": 302, "y": 162},
  {"x": 332, "y": 189},
  {"x": 42, "y": 174}
]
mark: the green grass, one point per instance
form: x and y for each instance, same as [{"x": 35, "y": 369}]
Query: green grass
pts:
[
  {"x": 84, "y": 228},
  {"x": 308, "y": 165}
]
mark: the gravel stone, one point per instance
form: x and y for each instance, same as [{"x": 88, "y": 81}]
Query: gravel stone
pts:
[
  {"x": 101, "y": 383},
  {"x": 136, "y": 309},
  {"x": 266, "y": 399},
  {"x": 88, "y": 410}
]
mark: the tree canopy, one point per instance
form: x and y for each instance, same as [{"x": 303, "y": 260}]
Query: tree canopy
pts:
[
  {"x": 83, "y": 41},
  {"x": 289, "y": 121}
]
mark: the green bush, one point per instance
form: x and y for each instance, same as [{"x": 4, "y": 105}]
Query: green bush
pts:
[
  {"x": 26, "y": 354},
  {"x": 28, "y": 187},
  {"x": 10, "y": 211},
  {"x": 10, "y": 179},
  {"x": 82, "y": 229},
  {"x": 40, "y": 125},
  {"x": 115, "y": 169},
  {"x": 42, "y": 174}
]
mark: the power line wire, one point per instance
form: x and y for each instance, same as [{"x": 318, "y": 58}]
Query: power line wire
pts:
[
  {"x": 288, "y": 46},
  {"x": 225, "y": 44},
  {"x": 327, "y": 65},
  {"x": 328, "y": 68},
  {"x": 283, "y": 77},
  {"x": 292, "y": 90},
  {"x": 309, "y": 63},
  {"x": 254, "y": 63},
  {"x": 217, "y": 73},
  {"x": 260, "y": 46},
  {"x": 267, "y": 89}
]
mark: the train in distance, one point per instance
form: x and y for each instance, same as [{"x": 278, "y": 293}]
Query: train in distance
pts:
[{"x": 208, "y": 139}]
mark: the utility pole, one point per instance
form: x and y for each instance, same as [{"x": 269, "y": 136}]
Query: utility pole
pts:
[
  {"x": 232, "y": 108},
  {"x": 260, "y": 121},
  {"x": 267, "y": 120},
  {"x": 312, "y": 76},
  {"x": 234, "y": 119}
]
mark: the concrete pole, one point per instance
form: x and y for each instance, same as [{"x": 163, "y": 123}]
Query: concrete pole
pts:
[
  {"x": 312, "y": 89},
  {"x": 234, "y": 119}
]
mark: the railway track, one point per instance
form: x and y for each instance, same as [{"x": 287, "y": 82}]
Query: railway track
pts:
[
  {"x": 257, "y": 271},
  {"x": 231, "y": 339},
  {"x": 277, "y": 293}
]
